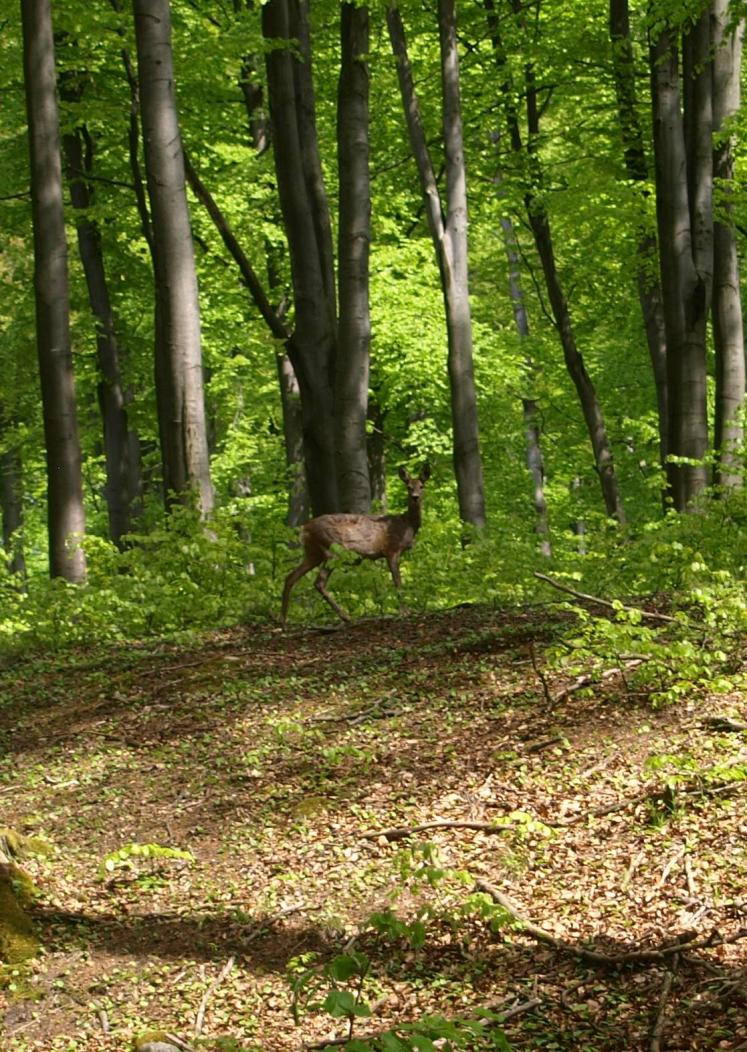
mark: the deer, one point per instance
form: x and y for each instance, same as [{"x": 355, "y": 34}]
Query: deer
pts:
[{"x": 369, "y": 536}]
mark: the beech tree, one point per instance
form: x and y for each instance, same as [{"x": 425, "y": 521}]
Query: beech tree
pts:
[
  {"x": 539, "y": 223},
  {"x": 728, "y": 330},
  {"x": 681, "y": 90},
  {"x": 354, "y": 237},
  {"x": 178, "y": 353},
  {"x": 123, "y": 486},
  {"x": 448, "y": 227},
  {"x": 637, "y": 170},
  {"x": 65, "y": 513},
  {"x": 329, "y": 353}
]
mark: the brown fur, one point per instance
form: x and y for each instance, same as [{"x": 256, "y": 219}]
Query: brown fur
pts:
[{"x": 370, "y": 536}]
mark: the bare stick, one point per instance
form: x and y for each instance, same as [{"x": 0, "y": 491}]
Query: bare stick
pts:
[
  {"x": 266, "y": 924},
  {"x": 588, "y": 678},
  {"x": 605, "y": 602},
  {"x": 723, "y": 723},
  {"x": 690, "y": 877},
  {"x": 184, "y": 1045},
  {"x": 521, "y": 1009},
  {"x": 200, "y": 1017},
  {"x": 403, "y": 832},
  {"x": 541, "y": 677},
  {"x": 634, "y": 864},
  {"x": 687, "y": 941},
  {"x": 656, "y": 1033}
]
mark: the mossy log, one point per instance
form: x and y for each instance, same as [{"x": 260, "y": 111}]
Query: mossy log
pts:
[{"x": 17, "y": 939}]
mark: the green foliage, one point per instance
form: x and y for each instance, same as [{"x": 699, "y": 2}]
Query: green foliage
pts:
[
  {"x": 125, "y": 856},
  {"x": 695, "y": 565}
]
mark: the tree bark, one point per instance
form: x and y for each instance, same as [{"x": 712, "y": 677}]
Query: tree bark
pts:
[
  {"x": 636, "y": 167},
  {"x": 65, "y": 513},
  {"x": 683, "y": 209},
  {"x": 11, "y": 503},
  {"x": 312, "y": 346},
  {"x": 112, "y": 400},
  {"x": 354, "y": 239},
  {"x": 179, "y": 376},
  {"x": 260, "y": 132},
  {"x": 539, "y": 222},
  {"x": 728, "y": 333},
  {"x": 529, "y": 406},
  {"x": 449, "y": 235}
]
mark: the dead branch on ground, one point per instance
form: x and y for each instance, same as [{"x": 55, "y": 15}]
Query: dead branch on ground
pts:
[
  {"x": 686, "y": 941},
  {"x": 597, "y": 601}
]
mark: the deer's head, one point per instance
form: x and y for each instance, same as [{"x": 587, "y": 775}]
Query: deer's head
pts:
[{"x": 415, "y": 486}]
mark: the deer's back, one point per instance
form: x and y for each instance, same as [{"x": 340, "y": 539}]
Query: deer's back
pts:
[{"x": 371, "y": 536}]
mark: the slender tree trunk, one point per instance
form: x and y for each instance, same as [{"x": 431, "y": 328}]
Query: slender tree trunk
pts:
[
  {"x": 66, "y": 517},
  {"x": 377, "y": 453},
  {"x": 312, "y": 346},
  {"x": 683, "y": 179},
  {"x": 539, "y": 222},
  {"x": 530, "y": 408},
  {"x": 728, "y": 332},
  {"x": 636, "y": 167},
  {"x": 260, "y": 132},
  {"x": 449, "y": 237},
  {"x": 112, "y": 401},
  {"x": 468, "y": 465},
  {"x": 11, "y": 503},
  {"x": 179, "y": 376},
  {"x": 354, "y": 239}
]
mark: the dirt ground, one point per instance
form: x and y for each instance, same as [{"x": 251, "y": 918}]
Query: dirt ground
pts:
[{"x": 293, "y": 768}]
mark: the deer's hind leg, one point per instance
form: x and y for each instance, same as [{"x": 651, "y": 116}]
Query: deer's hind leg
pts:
[
  {"x": 309, "y": 562},
  {"x": 320, "y": 585}
]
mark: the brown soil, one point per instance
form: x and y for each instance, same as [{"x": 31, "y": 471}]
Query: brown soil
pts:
[{"x": 269, "y": 755}]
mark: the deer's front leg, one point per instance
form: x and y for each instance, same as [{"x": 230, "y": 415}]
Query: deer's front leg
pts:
[
  {"x": 393, "y": 561},
  {"x": 320, "y": 585}
]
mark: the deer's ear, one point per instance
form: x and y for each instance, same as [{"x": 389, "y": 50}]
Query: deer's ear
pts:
[
  {"x": 405, "y": 476},
  {"x": 425, "y": 474}
]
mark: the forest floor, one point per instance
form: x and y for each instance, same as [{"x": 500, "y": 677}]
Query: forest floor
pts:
[{"x": 290, "y": 764}]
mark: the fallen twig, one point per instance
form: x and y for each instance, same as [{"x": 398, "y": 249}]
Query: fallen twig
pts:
[
  {"x": 541, "y": 677},
  {"x": 266, "y": 924},
  {"x": 687, "y": 941},
  {"x": 658, "y": 1030},
  {"x": 200, "y": 1017},
  {"x": 520, "y": 1009},
  {"x": 634, "y": 864},
  {"x": 588, "y": 678},
  {"x": 544, "y": 743},
  {"x": 723, "y": 723},
  {"x": 403, "y": 832},
  {"x": 651, "y": 615},
  {"x": 174, "y": 1039}
]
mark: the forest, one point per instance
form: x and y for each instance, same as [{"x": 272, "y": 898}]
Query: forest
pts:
[{"x": 446, "y": 298}]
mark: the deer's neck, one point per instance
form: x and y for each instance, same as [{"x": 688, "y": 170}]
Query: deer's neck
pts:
[{"x": 413, "y": 514}]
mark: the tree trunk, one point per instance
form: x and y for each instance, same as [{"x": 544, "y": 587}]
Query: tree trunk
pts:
[
  {"x": 636, "y": 167},
  {"x": 449, "y": 237},
  {"x": 682, "y": 207},
  {"x": 66, "y": 517},
  {"x": 11, "y": 505},
  {"x": 728, "y": 333},
  {"x": 467, "y": 463},
  {"x": 112, "y": 401},
  {"x": 260, "y": 132},
  {"x": 530, "y": 409},
  {"x": 354, "y": 239},
  {"x": 539, "y": 222},
  {"x": 308, "y": 230},
  {"x": 179, "y": 377}
]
